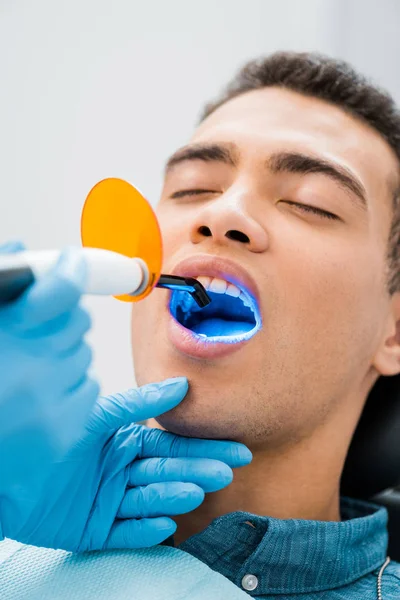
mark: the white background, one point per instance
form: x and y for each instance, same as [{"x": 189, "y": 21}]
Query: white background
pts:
[{"x": 92, "y": 89}]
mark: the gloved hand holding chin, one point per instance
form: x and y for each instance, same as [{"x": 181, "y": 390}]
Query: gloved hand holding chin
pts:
[
  {"x": 121, "y": 482},
  {"x": 76, "y": 472}
]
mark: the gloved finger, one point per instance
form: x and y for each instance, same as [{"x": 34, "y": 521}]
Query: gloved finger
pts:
[
  {"x": 63, "y": 333},
  {"x": 211, "y": 475},
  {"x": 137, "y": 404},
  {"x": 160, "y": 499},
  {"x": 142, "y": 533},
  {"x": 73, "y": 367},
  {"x": 156, "y": 443},
  {"x": 55, "y": 293},
  {"x": 11, "y": 247}
]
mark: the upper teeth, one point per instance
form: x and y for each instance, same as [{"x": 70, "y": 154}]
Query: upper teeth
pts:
[{"x": 220, "y": 286}]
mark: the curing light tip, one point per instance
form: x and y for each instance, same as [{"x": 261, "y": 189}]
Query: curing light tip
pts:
[{"x": 186, "y": 284}]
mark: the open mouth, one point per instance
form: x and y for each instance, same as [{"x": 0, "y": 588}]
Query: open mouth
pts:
[{"x": 233, "y": 315}]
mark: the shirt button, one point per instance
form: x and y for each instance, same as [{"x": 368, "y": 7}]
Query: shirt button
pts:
[{"x": 249, "y": 582}]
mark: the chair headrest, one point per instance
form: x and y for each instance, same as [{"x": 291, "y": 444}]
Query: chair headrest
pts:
[{"x": 373, "y": 461}]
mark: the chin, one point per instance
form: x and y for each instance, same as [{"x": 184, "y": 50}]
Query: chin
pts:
[
  {"x": 193, "y": 418},
  {"x": 202, "y": 430},
  {"x": 186, "y": 419},
  {"x": 186, "y": 428}
]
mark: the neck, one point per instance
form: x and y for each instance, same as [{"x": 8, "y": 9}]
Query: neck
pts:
[
  {"x": 288, "y": 486},
  {"x": 301, "y": 481}
]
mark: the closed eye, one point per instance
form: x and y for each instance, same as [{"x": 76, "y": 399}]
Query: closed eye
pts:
[
  {"x": 194, "y": 192},
  {"x": 305, "y": 207},
  {"x": 313, "y": 209}
]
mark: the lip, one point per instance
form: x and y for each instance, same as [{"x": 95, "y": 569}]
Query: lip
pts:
[{"x": 183, "y": 339}]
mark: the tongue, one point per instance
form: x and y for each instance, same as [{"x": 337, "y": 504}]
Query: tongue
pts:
[{"x": 220, "y": 327}]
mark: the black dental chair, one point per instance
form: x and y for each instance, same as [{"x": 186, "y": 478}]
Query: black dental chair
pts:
[{"x": 372, "y": 468}]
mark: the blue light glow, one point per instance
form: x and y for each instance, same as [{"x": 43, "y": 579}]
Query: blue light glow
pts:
[{"x": 242, "y": 319}]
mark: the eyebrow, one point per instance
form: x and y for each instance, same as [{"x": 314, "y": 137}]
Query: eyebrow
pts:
[
  {"x": 279, "y": 162},
  {"x": 225, "y": 153}
]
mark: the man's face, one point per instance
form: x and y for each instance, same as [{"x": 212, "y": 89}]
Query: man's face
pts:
[{"x": 317, "y": 282}]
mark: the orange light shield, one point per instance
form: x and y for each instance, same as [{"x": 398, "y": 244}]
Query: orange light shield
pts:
[{"x": 117, "y": 217}]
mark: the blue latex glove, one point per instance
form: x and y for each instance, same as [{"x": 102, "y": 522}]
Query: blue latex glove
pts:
[
  {"x": 122, "y": 481},
  {"x": 45, "y": 393}
]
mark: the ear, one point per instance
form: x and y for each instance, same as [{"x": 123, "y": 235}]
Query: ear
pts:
[{"x": 387, "y": 359}]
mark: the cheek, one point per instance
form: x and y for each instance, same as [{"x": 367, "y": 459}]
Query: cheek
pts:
[
  {"x": 144, "y": 324},
  {"x": 175, "y": 228},
  {"x": 146, "y": 313},
  {"x": 144, "y": 339},
  {"x": 335, "y": 293}
]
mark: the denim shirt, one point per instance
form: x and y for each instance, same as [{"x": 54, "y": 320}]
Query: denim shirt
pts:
[{"x": 299, "y": 559}]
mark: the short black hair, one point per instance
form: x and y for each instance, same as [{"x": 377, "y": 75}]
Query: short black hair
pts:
[{"x": 335, "y": 81}]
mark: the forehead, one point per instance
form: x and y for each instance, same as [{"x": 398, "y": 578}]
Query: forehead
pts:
[{"x": 263, "y": 121}]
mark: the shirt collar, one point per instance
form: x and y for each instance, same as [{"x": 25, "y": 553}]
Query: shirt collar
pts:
[{"x": 295, "y": 555}]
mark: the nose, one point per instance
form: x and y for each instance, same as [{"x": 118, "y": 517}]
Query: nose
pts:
[{"x": 226, "y": 221}]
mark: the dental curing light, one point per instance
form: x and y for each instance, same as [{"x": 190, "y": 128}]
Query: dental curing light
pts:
[{"x": 122, "y": 249}]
